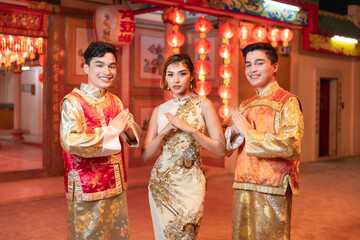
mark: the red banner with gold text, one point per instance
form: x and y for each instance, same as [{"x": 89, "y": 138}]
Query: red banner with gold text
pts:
[{"x": 23, "y": 21}]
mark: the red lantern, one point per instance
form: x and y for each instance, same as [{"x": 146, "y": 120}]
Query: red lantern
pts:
[
  {"x": 226, "y": 71},
  {"x": 225, "y": 111},
  {"x": 41, "y": 60},
  {"x": 286, "y": 36},
  {"x": 226, "y": 51},
  {"x": 41, "y": 77},
  {"x": 176, "y": 16},
  {"x": 175, "y": 39},
  {"x": 203, "y": 46},
  {"x": 114, "y": 24},
  {"x": 274, "y": 36},
  {"x": 203, "y": 88},
  {"x": 203, "y": 25},
  {"x": 202, "y": 67},
  {"x": 226, "y": 30},
  {"x": 259, "y": 33},
  {"x": 225, "y": 91},
  {"x": 244, "y": 34}
]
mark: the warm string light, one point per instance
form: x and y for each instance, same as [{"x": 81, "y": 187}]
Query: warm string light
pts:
[
  {"x": 16, "y": 49},
  {"x": 175, "y": 39},
  {"x": 202, "y": 47},
  {"x": 226, "y": 70}
]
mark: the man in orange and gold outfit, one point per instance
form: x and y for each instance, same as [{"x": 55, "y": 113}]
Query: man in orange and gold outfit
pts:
[{"x": 267, "y": 128}]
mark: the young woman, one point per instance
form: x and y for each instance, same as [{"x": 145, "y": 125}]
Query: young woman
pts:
[{"x": 177, "y": 183}]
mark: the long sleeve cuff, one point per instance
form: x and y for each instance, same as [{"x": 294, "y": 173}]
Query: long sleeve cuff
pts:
[
  {"x": 234, "y": 144},
  {"x": 111, "y": 144},
  {"x": 136, "y": 130}
]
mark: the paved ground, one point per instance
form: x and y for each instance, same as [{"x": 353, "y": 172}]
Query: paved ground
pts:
[{"x": 327, "y": 209}]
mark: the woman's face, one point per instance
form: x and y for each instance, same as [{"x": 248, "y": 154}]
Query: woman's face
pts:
[{"x": 178, "y": 77}]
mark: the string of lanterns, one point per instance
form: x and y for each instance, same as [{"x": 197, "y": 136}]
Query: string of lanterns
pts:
[
  {"x": 175, "y": 39},
  {"x": 248, "y": 31},
  {"x": 226, "y": 70},
  {"x": 202, "y": 47},
  {"x": 16, "y": 49}
]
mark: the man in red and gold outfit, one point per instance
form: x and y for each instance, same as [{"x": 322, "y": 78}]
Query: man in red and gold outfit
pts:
[
  {"x": 93, "y": 125},
  {"x": 267, "y": 129}
]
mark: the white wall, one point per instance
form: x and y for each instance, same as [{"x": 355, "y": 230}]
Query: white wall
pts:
[
  {"x": 32, "y": 105},
  {"x": 307, "y": 68}
]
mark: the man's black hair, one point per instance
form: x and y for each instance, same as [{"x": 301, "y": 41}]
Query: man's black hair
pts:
[
  {"x": 98, "y": 49},
  {"x": 270, "y": 51}
]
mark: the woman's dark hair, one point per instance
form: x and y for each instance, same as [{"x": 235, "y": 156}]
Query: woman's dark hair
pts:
[
  {"x": 269, "y": 50},
  {"x": 98, "y": 49},
  {"x": 178, "y": 58}
]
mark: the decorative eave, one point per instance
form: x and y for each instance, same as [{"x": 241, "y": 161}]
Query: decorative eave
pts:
[
  {"x": 317, "y": 26},
  {"x": 329, "y": 25},
  {"x": 18, "y": 20},
  {"x": 248, "y": 10},
  {"x": 261, "y": 9}
]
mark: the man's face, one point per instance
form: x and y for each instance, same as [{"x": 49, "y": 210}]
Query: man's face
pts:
[
  {"x": 258, "y": 69},
  {"x": 102, "y": 71}
]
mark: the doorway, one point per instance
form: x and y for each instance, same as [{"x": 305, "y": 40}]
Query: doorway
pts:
[
  {"x": 24, "y": 154},
  {"x": 328, "y": 117}
]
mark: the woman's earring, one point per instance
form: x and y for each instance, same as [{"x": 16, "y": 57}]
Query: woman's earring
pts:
[
  {"x": 168, "y": 88},
  {"x": 191, "y": 85}
]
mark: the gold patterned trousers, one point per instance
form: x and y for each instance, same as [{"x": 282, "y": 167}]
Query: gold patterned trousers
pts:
[
  {"x": 261, "y": 216},
  {"x": 104, "y": 219}
]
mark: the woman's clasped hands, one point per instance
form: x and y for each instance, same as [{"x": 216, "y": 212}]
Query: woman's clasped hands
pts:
[{"x": 176, "y": 123}]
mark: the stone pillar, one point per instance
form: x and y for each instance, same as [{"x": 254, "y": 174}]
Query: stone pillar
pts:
[{"x": 17, "y": 132}]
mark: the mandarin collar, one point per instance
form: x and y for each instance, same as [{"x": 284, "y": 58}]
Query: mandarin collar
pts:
[
  {"x": 184, "y": 100},
  {"x": 93, "y": 92},
  {"x": 272, "y": 87}
]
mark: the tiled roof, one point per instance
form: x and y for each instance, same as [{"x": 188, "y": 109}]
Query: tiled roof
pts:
[
  {"x": 316, "y": 2},
  {"x": 333, "y": 24}
]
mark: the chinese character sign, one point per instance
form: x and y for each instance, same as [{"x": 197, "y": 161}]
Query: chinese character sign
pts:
[{"x": 114, "y": 24}]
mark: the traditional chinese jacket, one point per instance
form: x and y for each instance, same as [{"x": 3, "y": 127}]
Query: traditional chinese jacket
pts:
[
  {"x": 93, "y": 157},
  {"x": 269, "y": 155}
]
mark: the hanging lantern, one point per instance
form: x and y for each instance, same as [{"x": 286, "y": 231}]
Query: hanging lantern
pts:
[
  {"x": 226, "y": 51},
  {"x": 203, "y": 88},
  {"x": 41, "y": 60},
  {"x": 225, "y": 111},
  {"x": 176, "y": 16},
  {"x": 203, "y": 25},
  {"x": 244, "y": 34},
  {"x": 114, "y": 24},
  {"x": 202, "y": 67},
  {"x": 259, "y": 33},
  {"x": 226, "y": 30},
  {"x": 175, "y": 39},
  {"x": 225, "y": 91},
  {"x": 226, "y": 71},
  {"x": 286, "y": 35},
  {"x": 203, "y": 46},
  {"x": 41, "y": 76},
  {"x": 274, "y": 36}
]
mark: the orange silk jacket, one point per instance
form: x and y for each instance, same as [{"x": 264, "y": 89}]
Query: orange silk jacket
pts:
[{"x": 269, "y": 155}]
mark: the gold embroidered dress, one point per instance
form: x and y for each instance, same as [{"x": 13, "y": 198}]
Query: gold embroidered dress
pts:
[
  {"x": 267, "y": 170},
  {"x": 177, "y": 183},
  {"x": 95, "y": 176}
]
